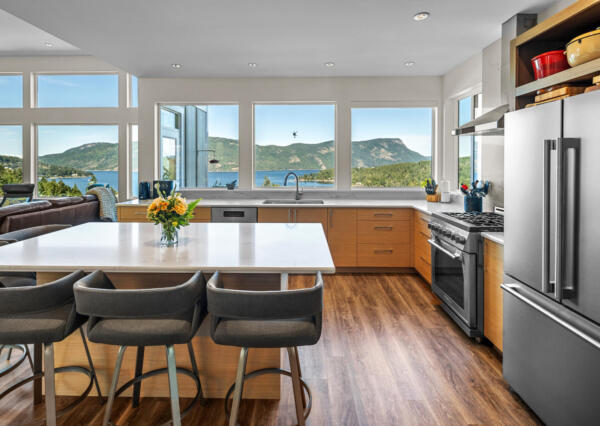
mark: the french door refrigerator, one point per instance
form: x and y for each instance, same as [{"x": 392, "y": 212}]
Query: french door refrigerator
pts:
[{"x": 551, "y": 290}]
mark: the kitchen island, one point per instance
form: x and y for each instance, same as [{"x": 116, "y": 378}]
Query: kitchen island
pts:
[{"x": 251, "y": 256}]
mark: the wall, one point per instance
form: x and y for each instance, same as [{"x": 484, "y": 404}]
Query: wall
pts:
[
  {"x": 28, "y": 117},
  {"x": 345, "y": 92},
  {"x": 555, "y": 8}
]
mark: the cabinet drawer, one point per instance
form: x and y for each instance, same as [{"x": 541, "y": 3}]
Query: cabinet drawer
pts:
[
  {"x": 395, "y": 232},
  {"x": 421, "y": 222},
  {"x": 132, "y": 214},
  {"x": 423, "y": 267},
  {"x": 384, "y": 255},
  {"x": 422, "y": 246},
  {"x": 201, "y": 214},
  {"x": 383, "y": 214}
]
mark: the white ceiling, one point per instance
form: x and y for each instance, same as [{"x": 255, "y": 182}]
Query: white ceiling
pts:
[
  {"x": 19, "y": 38},
  {"x": 284, "y": 37}
]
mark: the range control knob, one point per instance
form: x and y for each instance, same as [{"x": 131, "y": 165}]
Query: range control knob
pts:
[
  {"x": 447, "y": 232},
  {"x": 431, "y": 225},
  {"x": 460, "y": 239}
]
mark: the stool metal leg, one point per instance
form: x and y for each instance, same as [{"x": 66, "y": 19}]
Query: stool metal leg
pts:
[
  {"x": 294, "y": 361},
  {"x": 300, "y": 375},
  {"x": 139, "y": 367},
  {"x": 195, "y": 370},
  {"x": 90, "y": 362},
  {"x": 49, "y": 382},
  {"x": 113, "y": 386},
  {"x": 239, "y": 386},
  {"x": 173, "y": 391}
]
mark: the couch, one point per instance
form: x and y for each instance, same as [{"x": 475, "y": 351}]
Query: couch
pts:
[{"x": 64, "y": 210}]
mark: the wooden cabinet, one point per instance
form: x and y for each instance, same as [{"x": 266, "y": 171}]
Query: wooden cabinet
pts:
[
  {"x": 422, "y": 251},
  {"x": 493, "y": 270},
  {"x": 384, "y": 238},
  {"x": 341, "y": 235},
  {"x": 293, "y": 215},
  {"x": 275, "y": 215},
  {"x": 138, "y": 214}
]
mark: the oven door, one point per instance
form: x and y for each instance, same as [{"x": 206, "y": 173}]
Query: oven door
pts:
[{"x": 454, "y": 280}]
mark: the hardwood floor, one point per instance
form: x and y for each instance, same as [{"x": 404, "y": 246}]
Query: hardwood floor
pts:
[{"x": 388, "y": 356}]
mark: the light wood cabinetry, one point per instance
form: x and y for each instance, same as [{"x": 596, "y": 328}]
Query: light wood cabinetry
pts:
[
  {"x": 138, "y": 214},
  {"x": 493, "y": 270},
  {"x": 384, "y": 238},
  {"x": 341, "y": 235},
  {"x": 293, "y": 215},
  {"x": 422, "y": 251}
]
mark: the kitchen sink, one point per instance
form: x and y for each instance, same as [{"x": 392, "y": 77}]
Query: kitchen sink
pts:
[{"x": 286, "y": 201}]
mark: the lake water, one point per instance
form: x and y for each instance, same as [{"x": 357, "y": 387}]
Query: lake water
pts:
[{"x": 218, "y": 179}]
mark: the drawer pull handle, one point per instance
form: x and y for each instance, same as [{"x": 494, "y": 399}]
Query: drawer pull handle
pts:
[
  {"x": 140, "y": 213},
  {"x": 384, "y": 251},
  {"x": 381, "y": 228},
  {"x": 424, "y": 219},
  {"x": 425, "y": 260},
  {"x": 425, "y": 235},
  {"x": 382, "y": 214}
]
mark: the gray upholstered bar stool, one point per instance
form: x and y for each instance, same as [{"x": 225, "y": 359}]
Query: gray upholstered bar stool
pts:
[
  {"x": 266, "y": 319},
  {"x": 146, "y": 317},
  {"x": 44, "y": 315}
]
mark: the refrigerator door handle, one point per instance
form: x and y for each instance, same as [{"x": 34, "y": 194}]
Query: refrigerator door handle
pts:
[
  {"x": 577, "y": 327},
  {"x": 547, "y": 286},
  {"x": 562, "y": 146}
]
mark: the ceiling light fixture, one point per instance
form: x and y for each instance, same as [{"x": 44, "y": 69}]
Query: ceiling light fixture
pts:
[
  {"x": 330, "y": 64},
  {"x": 48, "y": 44},
  {"x": 252, "y": 64},
  {"x": 176, "y": 66},
  {"x": 409, "y": 63},
  {"x": 421, "y": 16}
]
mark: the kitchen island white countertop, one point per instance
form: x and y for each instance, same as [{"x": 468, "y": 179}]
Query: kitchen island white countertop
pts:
[
  {"x": 497, "y": 237},
  {"x": 135, "y": 247}
]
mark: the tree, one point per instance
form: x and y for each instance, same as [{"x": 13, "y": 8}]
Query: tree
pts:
[{"x": 51, "y": 188}]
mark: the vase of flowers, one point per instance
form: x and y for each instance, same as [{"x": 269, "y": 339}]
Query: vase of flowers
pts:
[{"x": 171, "y": 212}]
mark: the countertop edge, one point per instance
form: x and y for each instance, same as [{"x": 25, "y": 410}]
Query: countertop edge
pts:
[{"x": 497, "y": 237}]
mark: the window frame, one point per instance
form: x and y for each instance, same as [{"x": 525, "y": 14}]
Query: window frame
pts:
[
  {"x": 158, "y": 139},
  {"x": 476, "y": 110},
  {"x": 23, "y": 83},
  {"x": 433, "y": 106},
  {"x": 130, "y": 182},
  {"x": 334, "y": 187},
  {"x": 130, "y": 98},
  {"x": 34, "y": 89}
]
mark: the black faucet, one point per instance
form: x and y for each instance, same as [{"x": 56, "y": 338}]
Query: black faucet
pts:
[{"x": 298, "y": 189}]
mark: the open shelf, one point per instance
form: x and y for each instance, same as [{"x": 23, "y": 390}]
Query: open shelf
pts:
[{"x": 580, "y": 74}]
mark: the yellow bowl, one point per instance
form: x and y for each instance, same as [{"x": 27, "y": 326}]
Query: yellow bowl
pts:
[{"x": 584, "y": 48}]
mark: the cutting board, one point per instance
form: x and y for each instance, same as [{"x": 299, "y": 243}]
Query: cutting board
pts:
[
  {"x": 596, "y": 80},
  {"x": 546, "y": 101},
  {"x": 559, "y": 93}
]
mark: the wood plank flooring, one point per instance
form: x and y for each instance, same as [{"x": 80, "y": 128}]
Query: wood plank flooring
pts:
[{"x": 388, "y": 356}]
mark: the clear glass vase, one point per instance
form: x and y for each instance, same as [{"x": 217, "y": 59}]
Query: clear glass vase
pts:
[{"x": 169, "y": 235}]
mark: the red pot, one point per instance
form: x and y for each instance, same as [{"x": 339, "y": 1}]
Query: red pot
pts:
[{"x": 549, "y": 63}]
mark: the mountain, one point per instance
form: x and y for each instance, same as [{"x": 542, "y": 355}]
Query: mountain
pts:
[
  {"x": 90, "y": 156},
  {"x": 10, "y": 161},
  {"x": 383, "y": 151}
]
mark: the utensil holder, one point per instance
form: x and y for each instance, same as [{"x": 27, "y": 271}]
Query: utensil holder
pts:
[
  {"x": 473, "y": 204},
  {"x": 433, "y": 198}
]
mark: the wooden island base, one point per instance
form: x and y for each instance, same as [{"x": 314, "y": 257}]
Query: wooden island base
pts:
[{"x": 217, "y": 364}]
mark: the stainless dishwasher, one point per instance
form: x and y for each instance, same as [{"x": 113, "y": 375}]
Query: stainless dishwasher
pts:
[{"x": 234, "y": 214}]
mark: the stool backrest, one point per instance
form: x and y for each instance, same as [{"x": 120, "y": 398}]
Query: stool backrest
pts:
[
  {"x": 17, "y": 190},
  {"x": 35, "y": 231}
]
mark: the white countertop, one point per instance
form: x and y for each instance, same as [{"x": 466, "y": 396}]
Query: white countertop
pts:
[
  {"x": 135, "y": 247},
  {"x": 421, "y": 205},
  {"x": 497, "y": 237}
]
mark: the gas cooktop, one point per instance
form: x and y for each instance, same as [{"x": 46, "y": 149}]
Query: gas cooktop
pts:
[{"x": 475, "y": 222}]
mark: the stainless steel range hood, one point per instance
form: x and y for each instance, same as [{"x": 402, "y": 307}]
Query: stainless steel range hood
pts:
[{"x": 490, "y": 123}]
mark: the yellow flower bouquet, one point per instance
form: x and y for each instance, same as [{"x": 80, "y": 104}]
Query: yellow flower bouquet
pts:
[{"x": 170, "y": 212}]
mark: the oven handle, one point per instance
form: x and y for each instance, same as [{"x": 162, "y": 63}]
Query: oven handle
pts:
[{"x": 454, "y": 256}]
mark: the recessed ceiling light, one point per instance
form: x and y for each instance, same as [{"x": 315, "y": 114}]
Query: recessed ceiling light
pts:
[
  {"x": 176, "y": 66},
  {"x": 252, "y": 64},
  {"x": 409, "y": 63},
  {"x": 48, "y": 44},
  {"x": 421, "y": 16},
  {"x": 330, "y": 64}
]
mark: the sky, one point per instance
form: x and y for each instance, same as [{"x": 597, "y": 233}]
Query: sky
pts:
[
  {"x": 83, "y": 91},
  {"x": 58, "y": 138},
  {"x": 11, "y": 141},
  {"x": 11, "y": 90}
]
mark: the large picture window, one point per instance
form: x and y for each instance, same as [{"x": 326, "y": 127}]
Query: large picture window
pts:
[
  {"x": 11, "y": 155},
  {"x": 469, "y": 163},
  {"x": 391, "y": 147},
  {"x": 11, "y": 91},
  {"x": 133, "y": 139},
  {"x": 77, "y": 91},
  {"x": 72, "y": 157},
  {"x": 297, "y": 138},
  {"x": 199, "y": 145}
]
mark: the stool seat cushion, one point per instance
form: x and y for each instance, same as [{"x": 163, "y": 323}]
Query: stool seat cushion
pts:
[
  {"x": 40, "y": 327},
  {"x": 140, "y": 332},
  {"x": 266, "y": 333},
  {"x": 16, "y": 281}
]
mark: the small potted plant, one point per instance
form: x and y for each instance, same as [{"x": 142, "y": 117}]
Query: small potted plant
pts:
[{"x": 171, "y": 212}]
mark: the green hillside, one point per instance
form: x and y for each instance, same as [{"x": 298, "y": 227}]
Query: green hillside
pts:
[
  {"x": 90, "y": 156},
  {"x": 383, "y": 151},
  {"x": 10, "y": 162}
]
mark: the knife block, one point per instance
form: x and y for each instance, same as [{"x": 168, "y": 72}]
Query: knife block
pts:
[{"x": 433, "y": 198}]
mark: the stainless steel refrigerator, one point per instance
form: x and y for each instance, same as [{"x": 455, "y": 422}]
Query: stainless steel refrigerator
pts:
[{"x": 551, "y": 355}]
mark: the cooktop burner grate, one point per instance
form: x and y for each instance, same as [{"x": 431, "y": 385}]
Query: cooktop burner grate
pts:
[{"x": 479, "y": 219}]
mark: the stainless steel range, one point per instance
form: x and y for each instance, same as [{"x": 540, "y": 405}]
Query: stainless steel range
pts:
[{"x": 457, "y": 265}]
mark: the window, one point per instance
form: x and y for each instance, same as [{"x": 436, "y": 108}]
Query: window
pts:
[
  {"x": 199, "y": 146},
  {"x": 296, "y": 138},
  {"x": 469, "y": 163},
  {"x": 72, "y": 157},
  {"x": 77, "y": 91},
  {"x": 11, "y": 91},
  {"x": 11, "y": 155},
  {"x": 133, "y": 139},
  {"x": 133, "y": 91},
  {"x": 391, "y": 147}
]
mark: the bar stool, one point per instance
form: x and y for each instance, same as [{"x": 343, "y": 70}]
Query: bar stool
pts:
[
  {"x": 266, "y": 319},
  {"x": 44, "y": 315},
  {"x": 146, "y": 317},
  {"x": 17, "y": 190}
]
